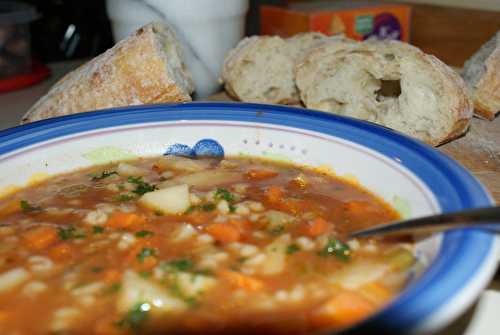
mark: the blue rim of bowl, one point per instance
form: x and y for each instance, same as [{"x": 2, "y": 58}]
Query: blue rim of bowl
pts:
[{"x": 462, "y": 252}]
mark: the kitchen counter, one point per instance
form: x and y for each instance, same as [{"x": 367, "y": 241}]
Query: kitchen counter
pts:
[
  {"x": 14, "y": 104},
  {"x": 479, "y": 151}
]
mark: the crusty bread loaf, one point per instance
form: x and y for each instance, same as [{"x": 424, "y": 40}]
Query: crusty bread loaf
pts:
[
  {"x": 482, "y": 75},
  {"x": 144, "y": 68},
  {"x": 387, "y": 82},
  {"x": 261, "y": 68}
]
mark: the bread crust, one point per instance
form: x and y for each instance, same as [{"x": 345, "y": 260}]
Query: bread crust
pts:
[
  {"x": 486, "y": 88},
  {"x": 487, "y": 92},
  {"x": 462, "y": 107},
  {"x": 133, "y": 72}
]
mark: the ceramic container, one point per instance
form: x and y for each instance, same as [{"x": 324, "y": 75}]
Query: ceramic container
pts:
[
  {"x": 15, "y": 49},
  {"x": 413, "y": 177}
]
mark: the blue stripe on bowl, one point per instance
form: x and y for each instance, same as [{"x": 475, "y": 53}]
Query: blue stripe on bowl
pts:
[{"x": 462, "y": 252}]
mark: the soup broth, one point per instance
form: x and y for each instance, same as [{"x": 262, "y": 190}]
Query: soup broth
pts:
[{"x": 177, "y": 245}]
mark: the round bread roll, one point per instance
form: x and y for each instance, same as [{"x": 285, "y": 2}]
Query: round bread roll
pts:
[
  {"x": 482, "y": 75},
  {"x": 387, "y": 82},
  {"x": 261, "y": 68}
]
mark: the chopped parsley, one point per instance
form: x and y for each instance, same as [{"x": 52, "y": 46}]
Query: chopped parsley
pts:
[
  {"x": 208, "y": 207},
  {"x": 223, "y": 194},
  {"x": 144, "y": 233},
  {"x": 336, "y": 248},
  {"x": 277, "y": 230},
  {"x": 178, "y": 264},
  {"x": 204, "y": 272},
  {"x": 190, "y": 209},
  {"x": 113, "y": 288},
  {"x": 292, "y": 248},
  {"x": 98, "y": 230},
  {"x": 141, "y": 186},
  {"x": 145, "y": 252},
  {"x": 102, "y": 175},
  {"x": 145, "y": 274},
  {"x": 176, "y": 290},
  {"x": 27, "y": 207},
  {"x": 68, "y": 233},
  {"x": 191, "y": 301},
  {"x": 135, "y": 317},
  {"x": 124, "y": 197}
]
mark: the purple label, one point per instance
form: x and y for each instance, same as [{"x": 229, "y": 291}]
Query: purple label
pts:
[{"x": 385, "y": 27}]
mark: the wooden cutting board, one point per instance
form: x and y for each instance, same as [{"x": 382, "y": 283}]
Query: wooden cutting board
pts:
[{"x": 478, "y": 150}]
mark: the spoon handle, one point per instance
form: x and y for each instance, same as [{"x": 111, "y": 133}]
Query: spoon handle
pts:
[{"x": 487, "y": 219}]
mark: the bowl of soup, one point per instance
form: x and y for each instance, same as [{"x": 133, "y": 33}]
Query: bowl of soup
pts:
[{"x": 229, "y": 218}]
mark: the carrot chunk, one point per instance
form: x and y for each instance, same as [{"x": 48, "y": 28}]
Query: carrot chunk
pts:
[
  {"x": 40, "y": 238},
  {"x": 241, "y": 281},
  {"x": 261, "y": 174},
  {"x": 200, "y": 218},
  {"x": 240, "y": 223},
  {"x": 224, "y": 232},
  {"x": 10, "y": 208},
  {"x": 147, "y": 264},
  {"x": 125, "y": 220},
  {"x": 274, "y": 194},
  {"x": 62, "y": 251},
  {"x": 318, "y": 227},
  {"x": 344, "y": 309},
  {"x": 4, "y": 315},
  {"x": 112, "y": 276}
]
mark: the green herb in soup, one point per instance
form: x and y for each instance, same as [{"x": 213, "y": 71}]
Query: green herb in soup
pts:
[{"x": 172, "y": 244}]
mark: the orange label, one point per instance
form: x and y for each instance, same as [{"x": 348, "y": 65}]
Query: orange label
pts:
[{"x": 382, "y": 22}]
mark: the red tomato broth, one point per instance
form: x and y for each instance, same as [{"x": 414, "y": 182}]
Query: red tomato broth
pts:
[{"x": 271, "y": 258}]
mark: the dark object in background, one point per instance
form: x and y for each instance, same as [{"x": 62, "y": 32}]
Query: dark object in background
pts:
[
  {"x": 70, "y": 29},
  {"x": 252, "y": 26},
  {"x": 15, "y": 55}
]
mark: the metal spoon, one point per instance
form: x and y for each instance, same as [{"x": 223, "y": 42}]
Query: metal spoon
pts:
[{"x": 487, "y": 219}]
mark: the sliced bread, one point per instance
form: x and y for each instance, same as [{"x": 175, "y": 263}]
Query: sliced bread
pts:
[
  {"x": 387, "y": 82},
  {"x": 482, "y": 75},
  {"x": 145, "y": 68},
  {"x": 261, "y": 68}
]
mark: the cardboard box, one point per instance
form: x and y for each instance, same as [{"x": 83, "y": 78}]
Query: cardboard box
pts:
[{"x": 356, "y": 20}]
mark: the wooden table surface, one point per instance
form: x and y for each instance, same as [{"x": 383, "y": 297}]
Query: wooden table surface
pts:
[{"x": 478, "y": 150}]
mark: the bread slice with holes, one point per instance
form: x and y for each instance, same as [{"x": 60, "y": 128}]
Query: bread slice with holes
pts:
[
  {"x": 387, "y": 82},
  {"x": 261, "y": 68},
  {"x": 145, "y": 68},
  {"x": 482, "y": 75}
]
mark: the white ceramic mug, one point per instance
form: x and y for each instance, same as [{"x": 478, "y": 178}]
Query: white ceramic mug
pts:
[{"x": 207, "y": 28}]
